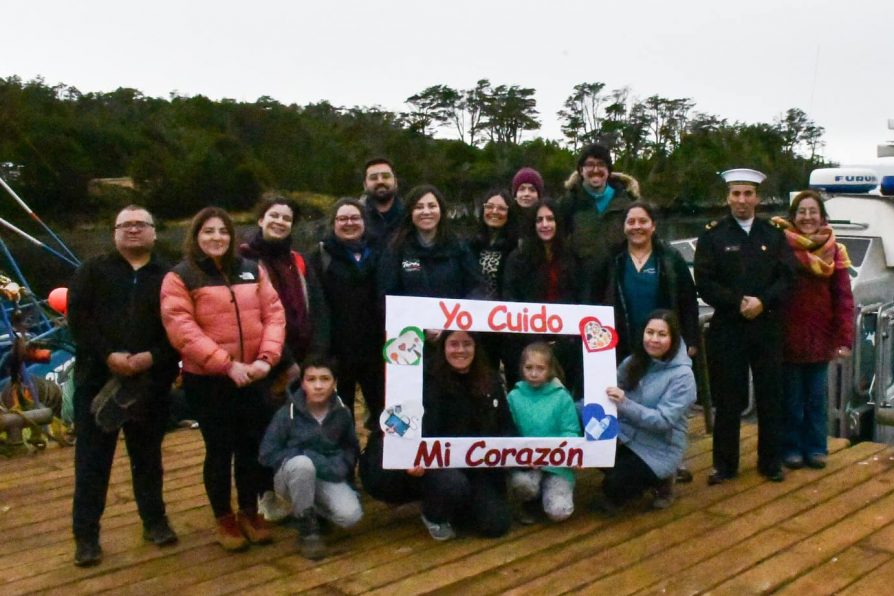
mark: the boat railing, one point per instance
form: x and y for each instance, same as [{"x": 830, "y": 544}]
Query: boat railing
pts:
[{"x": 861, "y": 387}]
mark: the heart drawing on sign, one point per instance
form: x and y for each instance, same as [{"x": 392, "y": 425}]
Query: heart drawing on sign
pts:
[{"x": 596, "y": 336}]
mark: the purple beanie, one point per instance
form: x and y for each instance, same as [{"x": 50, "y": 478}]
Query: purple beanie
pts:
[{"x": 527, "y": 176}]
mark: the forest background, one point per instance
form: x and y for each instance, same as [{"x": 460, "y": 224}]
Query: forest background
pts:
[{"x": 179, "y": 154}]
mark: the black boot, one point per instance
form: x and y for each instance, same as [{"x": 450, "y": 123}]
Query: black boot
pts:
[{"x": 309, "y": 541}]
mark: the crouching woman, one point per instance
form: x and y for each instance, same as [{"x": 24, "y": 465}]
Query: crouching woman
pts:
[
  {"x": 658, "y": 390},
  {"x": 312, "y": 447}
]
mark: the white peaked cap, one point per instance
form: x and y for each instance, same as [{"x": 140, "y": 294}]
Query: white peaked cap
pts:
[{"x": 743, "y": 176}]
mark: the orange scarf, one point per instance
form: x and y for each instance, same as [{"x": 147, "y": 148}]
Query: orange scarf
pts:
[{"x": 818, "y": 253}]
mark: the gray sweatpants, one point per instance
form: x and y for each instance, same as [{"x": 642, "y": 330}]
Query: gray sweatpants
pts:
[
  {"x": 297, "y": 481},
  {"x": 557, "y": 493}
]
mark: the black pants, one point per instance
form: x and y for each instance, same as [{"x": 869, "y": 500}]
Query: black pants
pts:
[
  {"x": 472, "y": 499},
  {"x": 733, "y": 348},
  {"x": 95, "y": 450},
  {"x": 629, "y": 478},
  {"x": 370, "y": 374},
  {"x": 232, "y": 421},
  {"x": 390, "y": 486}
]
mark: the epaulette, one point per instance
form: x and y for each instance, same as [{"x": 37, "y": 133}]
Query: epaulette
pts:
[
  {"x": 711, "y": 225},
  {"x": 776, "y": 223}
]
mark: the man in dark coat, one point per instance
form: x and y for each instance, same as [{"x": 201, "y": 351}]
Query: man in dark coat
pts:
[
  {"x": 593, "y": 209},
  {"x": 115, "y": 320},
  {"x": 383, "y": 208},
  {"x": 743, "y": 268}
]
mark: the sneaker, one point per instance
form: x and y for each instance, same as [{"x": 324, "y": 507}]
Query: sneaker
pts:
[
  {"x": 88, "y": 552},
  {"x": 684, "y": 475},
  {"x": 773, "y": 475},
  {"x": 439, "y": 531},
  {"x": 817, "y": 461},
  {"x": 229, "y": 536},
  {"x": 254, "y": 527},
  {"x": 310, "y": 543},
  {"x": 793, "y": 462},
  {"x": 273, "y": 508},
  {"x": 159, "y": 533},
  {"x": 664, "y": 494}
]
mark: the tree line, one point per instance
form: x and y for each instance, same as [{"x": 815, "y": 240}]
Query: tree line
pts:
[{"x": 186, "y": 152}]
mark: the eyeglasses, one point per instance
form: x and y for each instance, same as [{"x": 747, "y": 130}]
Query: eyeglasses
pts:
[
  {"x": 380, "y": 176},
  {"x": 348, "y": 218},
  {"x": 134, "y": 225},
  {"x": 497, "y": 208},
  {"x": 592, "y": 165}
]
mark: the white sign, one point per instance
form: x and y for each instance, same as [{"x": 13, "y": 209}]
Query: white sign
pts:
[{"x": 406, "y": 318}]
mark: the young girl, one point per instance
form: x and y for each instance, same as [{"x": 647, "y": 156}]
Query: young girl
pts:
[{"x": 542, "y": 407}]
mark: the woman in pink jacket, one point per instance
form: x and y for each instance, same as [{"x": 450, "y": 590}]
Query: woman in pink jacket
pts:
[{"x": 224, "y": 317}]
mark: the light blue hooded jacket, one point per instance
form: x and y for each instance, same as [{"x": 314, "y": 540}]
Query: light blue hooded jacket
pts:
[{"x": 653, "y": 418}]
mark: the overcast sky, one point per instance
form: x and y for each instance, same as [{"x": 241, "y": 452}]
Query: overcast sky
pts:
[{"x": 746, "y": 61}]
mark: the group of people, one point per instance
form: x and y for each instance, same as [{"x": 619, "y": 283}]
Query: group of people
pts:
[{"x": 273, "y": 344}]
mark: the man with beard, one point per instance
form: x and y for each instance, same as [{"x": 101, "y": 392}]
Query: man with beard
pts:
[
  {"x": 383, "y": 210},
  {"x": 115, "y": 320}
]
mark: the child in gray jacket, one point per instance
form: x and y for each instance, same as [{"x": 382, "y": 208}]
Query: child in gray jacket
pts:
[{"x": 312, "y": 446}]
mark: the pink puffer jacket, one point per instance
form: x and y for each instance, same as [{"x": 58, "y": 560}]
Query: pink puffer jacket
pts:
[{"x": 213, "y": 321}]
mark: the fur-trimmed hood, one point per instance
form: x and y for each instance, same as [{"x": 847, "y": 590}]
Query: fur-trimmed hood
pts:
[{"x": 617, "y": 179}]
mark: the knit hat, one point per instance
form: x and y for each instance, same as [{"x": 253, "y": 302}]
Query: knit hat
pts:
[
  {"x": 527, "y": 176},
  {"x": 596, "y": 151}
]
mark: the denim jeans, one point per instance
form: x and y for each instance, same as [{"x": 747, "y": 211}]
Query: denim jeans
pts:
[{"x": 805, "y": 426}]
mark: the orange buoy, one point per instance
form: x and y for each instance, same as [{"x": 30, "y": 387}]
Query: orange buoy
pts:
[{"x": 58, "y": 300}]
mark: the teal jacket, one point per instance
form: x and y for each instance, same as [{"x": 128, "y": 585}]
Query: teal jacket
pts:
[{"x": 545, "y": 411}]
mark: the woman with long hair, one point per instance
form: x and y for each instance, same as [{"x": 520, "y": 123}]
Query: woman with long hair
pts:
[
  {"x": 307, "y": 321},
  {"x": 463, "y": 397},
  {"x": 224, "y": 317},
  {"x": 543, "y": 270},
  {"x": 818, "y": 321},
  {"x": 424, "y": 258},
  {"x": 657, "y": 388}
]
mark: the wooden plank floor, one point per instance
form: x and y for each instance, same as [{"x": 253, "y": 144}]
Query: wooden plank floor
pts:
[{"x": 819, "y": 532}]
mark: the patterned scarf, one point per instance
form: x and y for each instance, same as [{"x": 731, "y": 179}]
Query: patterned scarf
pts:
[{"x": 818, "y": 253}]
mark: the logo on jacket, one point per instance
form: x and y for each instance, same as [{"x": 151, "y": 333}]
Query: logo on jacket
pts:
[
  {"x": 411, "y": 265},
  {"x": 247, "y": 276}
]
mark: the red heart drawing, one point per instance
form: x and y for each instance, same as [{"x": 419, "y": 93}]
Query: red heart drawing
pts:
[{"x": 596, "y": 336}]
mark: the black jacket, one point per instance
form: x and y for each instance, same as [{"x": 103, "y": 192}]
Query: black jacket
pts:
[
  {"x": 112, "y": 308},
  {"x": 357, "y": 327},
  {"x": 445, "y": 270},
  {"x": 454, "y": 409},
  {"x": 591, "y": 234},
  {"x": 730, "y": 264}
]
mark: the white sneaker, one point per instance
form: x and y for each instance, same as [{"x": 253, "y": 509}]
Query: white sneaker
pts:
[
  {"x": 440, "y": 532},
  {"x": 273, "y": 507}
]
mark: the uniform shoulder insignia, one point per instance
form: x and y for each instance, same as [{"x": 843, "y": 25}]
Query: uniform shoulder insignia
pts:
[
  {"x": 775, "y": 223},
  {"x": 711, "y": 225}
]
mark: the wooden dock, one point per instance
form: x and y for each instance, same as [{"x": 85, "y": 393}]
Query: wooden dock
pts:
[{"x": 819, "y": 532}]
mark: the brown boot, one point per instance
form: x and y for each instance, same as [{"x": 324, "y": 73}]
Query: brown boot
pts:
[
  {"x": 310, "y": 543},
  {"x": 255, "y": 527},
  {"x": 229, "y": 536}
]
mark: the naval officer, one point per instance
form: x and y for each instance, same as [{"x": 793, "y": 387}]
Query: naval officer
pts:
[{"x": 743, "y": 268}]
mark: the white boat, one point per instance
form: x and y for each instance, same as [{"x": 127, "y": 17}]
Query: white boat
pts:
[{"x": 860, "y": 203}]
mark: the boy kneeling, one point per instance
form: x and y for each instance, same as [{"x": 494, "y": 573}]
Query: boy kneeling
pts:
[{"x": 312, "y": 445}]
